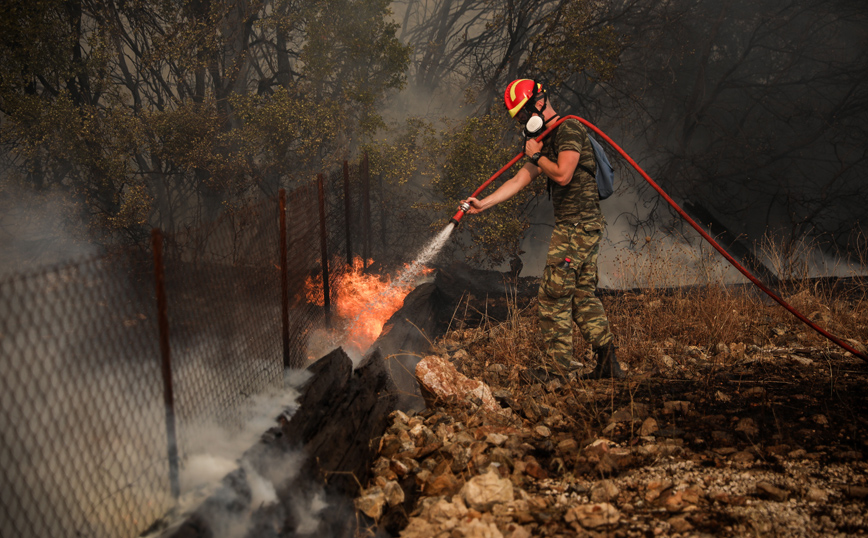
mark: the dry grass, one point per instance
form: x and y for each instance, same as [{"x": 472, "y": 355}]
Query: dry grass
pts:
[{"x": 694, "y": 333}]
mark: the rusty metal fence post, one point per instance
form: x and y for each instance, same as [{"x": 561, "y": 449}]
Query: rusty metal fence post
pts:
[
  {"x": 284, "y": 280},
  {"x": 347, "y": 208},
  {"x": 324, "y": 250},
  {"x": 366, "y": 209},
  {"x": 165, "y": 352}
]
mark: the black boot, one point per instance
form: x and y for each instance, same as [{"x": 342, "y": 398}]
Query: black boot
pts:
[{"x": 607, "y": 366}]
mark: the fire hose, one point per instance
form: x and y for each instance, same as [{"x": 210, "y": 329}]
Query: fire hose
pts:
[{"x": 456, "y": 219}]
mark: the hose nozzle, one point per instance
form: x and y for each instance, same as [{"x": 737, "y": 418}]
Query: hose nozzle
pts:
[{"x": 462, "y": 209}]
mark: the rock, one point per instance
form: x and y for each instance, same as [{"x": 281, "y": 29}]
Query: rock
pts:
[
  {"x": 738, "y": 350},
  {"x": 598, "y": 447},
  {"x": 390, "y": 445},
  {"x": 673, "y": 501},
  {"x": 399, "y": 467},
  {"x": 440, "y": 381},
  {"x": 460, "y": 457},
  {"x": 568, "y": 446},
  {"x": 394, "y": 493},
  {"x": 816, "y": 495},
  {"x": 743, "y": 457},
  {"x": 754, "y": 392},
  {"x": 371, "y": 502},
  {"x": 676, "y": 406},
  {"x": 460, "y": 355},
  {"x": 542, "y": 431},
  {"x": 604, "y": 491},
  {"x": 519, "y": 532},
  {"x": 656, "y": 488},
  {"x": 476, "y": 528},
  {"x": 769, "y": 490},
  {"x": 483, "y": 491},
  {"x": 443, "y": 509},
  {"x": 422, "y": 477},
  {"x": 635, "y": 411},
  {"x": 725, "y": 498},
  {"x": 553, "y": 385},
  {"x": 534, "y": 470},
  {"x": 419, "y": 528},
  {"x": 382, "y": 468},
  {"x": 444, "y": 484},
  {"x": 591, "y": 516},
  {"x": 502, "y": 457},
  {"x": 679, "y": 524},
  {"x": 820, "y": 420},
  {"x": 531, "y": 410},
  {"x": 496, "y": 439},
  {"x": 649, "y": 426},
  {"x": 804, "y": 361},
  {"x": 747, "y": 426}
]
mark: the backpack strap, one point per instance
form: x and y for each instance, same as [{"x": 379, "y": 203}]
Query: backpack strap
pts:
[{"x": 586, "y": 169}]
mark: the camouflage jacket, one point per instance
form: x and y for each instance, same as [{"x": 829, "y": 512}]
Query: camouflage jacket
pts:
[{"x": 578, "y": 200}]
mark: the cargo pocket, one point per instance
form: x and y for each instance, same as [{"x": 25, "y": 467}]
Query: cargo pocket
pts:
[
  {"x": 558, "y": 282},
  {"x": 595, "y": 225}
]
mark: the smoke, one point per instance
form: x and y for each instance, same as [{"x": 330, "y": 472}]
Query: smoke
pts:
[
  {"x": 215, "y": 451},
  {"x": 38, "y": 229}
]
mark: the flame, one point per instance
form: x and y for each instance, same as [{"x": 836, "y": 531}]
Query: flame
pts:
[{"x": 363, "y": 302}]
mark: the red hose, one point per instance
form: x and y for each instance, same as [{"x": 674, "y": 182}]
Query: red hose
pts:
[{"x": 686, "y": 217}]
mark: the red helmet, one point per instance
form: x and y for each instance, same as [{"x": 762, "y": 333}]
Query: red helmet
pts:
[{"x": 518, "y": 93}]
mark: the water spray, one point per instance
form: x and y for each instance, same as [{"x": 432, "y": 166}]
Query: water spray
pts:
[{"x": 465, "y": 207}]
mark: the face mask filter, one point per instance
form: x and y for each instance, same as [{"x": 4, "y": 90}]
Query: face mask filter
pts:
[{"x": 534, "y": 126}]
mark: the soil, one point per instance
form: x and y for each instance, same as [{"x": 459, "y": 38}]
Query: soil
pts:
[{"x": 737, "y": 439}]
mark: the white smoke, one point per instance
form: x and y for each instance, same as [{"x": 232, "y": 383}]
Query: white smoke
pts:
[
  {"x": 214, "y": 451},
  {"x": 38, "y": 229}
]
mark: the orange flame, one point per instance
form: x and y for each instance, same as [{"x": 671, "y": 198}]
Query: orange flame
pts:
[{"x": 364, "y": 302}]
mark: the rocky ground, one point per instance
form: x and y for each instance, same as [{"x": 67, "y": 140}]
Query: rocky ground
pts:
[{"x": 759, "y": 438}]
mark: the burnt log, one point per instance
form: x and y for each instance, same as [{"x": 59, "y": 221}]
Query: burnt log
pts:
[
  {"x": 407, "y": 337},
  {"x": 428, "y": 310},
  {"x": 314, "y": 460}
]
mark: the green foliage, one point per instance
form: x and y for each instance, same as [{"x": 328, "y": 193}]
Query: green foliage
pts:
[
  {"x": 457, "y": 159},
  {"x": 144, "y": 110},
  {"x": 571, "y": 43},
  {"x": 475, "y": 149},
  {"x": 407, "y": 152}
]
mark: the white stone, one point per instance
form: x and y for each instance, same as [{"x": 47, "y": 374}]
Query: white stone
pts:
[
  {"x": 591, "y": 516},
  {"x": 371, "y": 502},
  {"x": 483, "y": 491}
]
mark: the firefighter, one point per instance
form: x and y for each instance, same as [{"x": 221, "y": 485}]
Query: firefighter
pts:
[{"x": 566, "y": 293}]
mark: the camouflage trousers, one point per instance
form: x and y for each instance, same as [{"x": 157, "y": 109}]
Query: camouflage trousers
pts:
[{"x": 566, "y": 295}]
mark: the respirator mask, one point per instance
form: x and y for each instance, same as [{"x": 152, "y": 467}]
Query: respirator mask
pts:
[{"x": 534, "y": 124}]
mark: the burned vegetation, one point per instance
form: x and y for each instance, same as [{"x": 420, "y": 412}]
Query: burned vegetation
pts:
[{"x": 735, "y": 419}]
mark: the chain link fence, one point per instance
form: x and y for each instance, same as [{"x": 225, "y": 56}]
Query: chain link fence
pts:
[{"x": 110, "y": 363}]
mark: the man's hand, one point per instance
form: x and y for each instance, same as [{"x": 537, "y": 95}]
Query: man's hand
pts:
[
  {"x": 532, "y": 146},
  {"x": 475, "y": 206}
]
